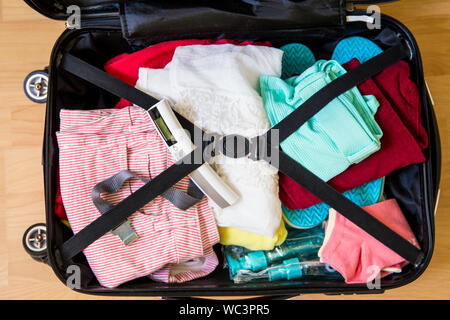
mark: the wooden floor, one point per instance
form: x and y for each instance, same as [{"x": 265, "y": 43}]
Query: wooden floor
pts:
[{"x": 26, "y": 39}]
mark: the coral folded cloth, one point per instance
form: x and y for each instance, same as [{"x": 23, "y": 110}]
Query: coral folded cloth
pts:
[
  {"x": 126, "y": 66},
  {"x": 344, "y": 132},
  {"x": 358, "y": 256},
  {"x": 96, "y": 144},
  {"x": 399, "y": 149},
  {"x": 214, "y": 86}
]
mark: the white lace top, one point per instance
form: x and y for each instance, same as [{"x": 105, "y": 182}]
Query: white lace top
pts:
[{"x": 214, "y": 86}]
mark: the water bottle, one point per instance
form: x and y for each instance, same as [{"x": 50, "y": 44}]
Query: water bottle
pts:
[
  {"x": 288, "y": 270},
  {"x": 300, "y": 248}
]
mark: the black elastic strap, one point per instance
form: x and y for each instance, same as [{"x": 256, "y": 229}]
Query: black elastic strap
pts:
[
  {"x": 286, "y": 127},
  {"x": 121, "y": 89},
  {"x": 106, "y": 81}
]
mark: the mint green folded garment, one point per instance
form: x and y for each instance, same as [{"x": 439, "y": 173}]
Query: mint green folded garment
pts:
[{"x": 342, "y": 133}]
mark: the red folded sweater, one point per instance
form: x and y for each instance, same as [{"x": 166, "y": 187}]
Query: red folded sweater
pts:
[
  {"x": 400, "y": 147},
  {"x": 404, "y": 97}
]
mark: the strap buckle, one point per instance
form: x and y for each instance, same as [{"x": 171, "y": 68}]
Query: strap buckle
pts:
[{"x": 126, "y": 232}]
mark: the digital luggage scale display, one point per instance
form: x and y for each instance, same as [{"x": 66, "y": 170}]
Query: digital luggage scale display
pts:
[{"x": 180, "y": 144}]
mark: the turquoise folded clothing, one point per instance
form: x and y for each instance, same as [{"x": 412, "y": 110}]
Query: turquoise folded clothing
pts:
[
  {"x": 365, "y": 195},
  {"x": 344, "y": 132}
]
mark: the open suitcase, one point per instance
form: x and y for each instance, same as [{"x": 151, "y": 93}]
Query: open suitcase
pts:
[{"x": 109, "y": 28}]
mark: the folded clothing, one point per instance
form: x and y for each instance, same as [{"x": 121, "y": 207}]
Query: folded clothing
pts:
[
  {"x": 252, "y": 241},
  {"x": 399, "y": 149},
  {"x": 358, "y": 256},
  {"x": 192, "y": 269},
  {"x": 402, "y": 93},
  {"x": 126, "y": 66},
  {"x": 394, "y": 82},
  {"x": 96, "y": 144},
  {"x": 323, "y": 144},
  {"x": 214, "y": 86}
]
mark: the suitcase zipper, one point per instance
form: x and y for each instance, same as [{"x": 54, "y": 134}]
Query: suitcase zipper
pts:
[
  {"x": 100, "y": 16},
  {"x": 105, "y": 20}
]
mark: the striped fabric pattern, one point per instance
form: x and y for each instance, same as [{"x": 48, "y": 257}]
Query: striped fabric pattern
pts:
[
  {"x": 95, "y": 145},
  {"x": 192, "y": 269}
]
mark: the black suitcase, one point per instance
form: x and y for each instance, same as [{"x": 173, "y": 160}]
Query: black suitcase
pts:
[{"x": 108, "y": 28}]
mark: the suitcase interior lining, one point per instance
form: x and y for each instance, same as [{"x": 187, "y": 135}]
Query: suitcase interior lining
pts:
[{"x": 98, "y": 45}]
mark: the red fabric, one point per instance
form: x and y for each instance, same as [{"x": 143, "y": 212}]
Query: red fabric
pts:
[
  {"x": 59, "y": 207},
  {"x": 404, "y": 97},
  {"x": 399, "y": 148},
  {"x": 126, "y": 66}
]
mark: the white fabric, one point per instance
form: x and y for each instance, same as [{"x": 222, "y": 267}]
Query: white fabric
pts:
[{"x": 215, "y": 86}]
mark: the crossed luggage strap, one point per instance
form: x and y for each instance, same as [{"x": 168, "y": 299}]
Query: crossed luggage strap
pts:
[{"x": 116, "y": 215}]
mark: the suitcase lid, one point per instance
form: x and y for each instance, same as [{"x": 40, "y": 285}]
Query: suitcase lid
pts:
[
  {"x": 59, "y": 9},
  {"x": 139, "y": 18}
]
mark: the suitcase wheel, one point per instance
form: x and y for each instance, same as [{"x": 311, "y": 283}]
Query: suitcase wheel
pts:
[
  {"x": 35, "y": 86},
  {"x": 35, "y": 242}
]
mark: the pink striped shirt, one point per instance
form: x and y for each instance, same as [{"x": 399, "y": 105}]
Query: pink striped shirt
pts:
[{"x": 97, "y": 144}]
